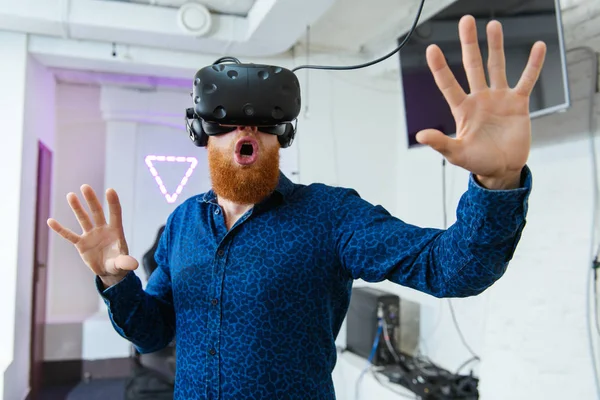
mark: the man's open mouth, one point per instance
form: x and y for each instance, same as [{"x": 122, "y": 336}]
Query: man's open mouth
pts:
[{"x": 246, "y": 150}]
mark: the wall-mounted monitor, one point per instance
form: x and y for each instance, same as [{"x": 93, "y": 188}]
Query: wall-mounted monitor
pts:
[{"x": 524, "y": 23}]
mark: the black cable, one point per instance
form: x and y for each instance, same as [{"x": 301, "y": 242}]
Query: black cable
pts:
[
  {"x": 462, "y": 338},
  {"x": 596, "y": 300},
  {"x": 592, "y": 128},
  {"x": 227, "y": 59},
  {"x": 463, "y": 365},
  {"x": 390, "y": 387},
  {"x": 421, "y": 376},
  {"x": 444, "y": 210},
  {"x": 307, "y": 78},
  {"x": 368, "y": 64},
  {"x": 592, "y": 275}
]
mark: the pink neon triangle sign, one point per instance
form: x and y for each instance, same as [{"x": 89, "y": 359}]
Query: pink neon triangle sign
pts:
[{"x": 171, "y": 197}]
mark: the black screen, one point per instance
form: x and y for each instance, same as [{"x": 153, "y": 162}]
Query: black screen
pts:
[{"x": 524, "y": 23}]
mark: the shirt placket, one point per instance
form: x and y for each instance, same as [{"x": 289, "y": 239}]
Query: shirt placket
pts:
[
  {"x": 214, "y": 322},
  {"x": 215, "y": 312}
]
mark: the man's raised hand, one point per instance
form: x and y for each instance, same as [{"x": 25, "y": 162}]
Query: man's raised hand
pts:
[
  {"x": 493, "y": 126},
  {"x": 101, "y": 245}
]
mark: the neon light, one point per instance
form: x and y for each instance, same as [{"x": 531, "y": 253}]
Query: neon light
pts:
[{"x": 171, "y": 197}]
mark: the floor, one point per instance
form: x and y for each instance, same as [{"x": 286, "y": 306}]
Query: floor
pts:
[{"x": 100, "y": 389}]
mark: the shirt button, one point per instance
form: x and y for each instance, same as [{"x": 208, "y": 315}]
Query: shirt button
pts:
[
  {"x": 220, "y": 253},
  {"x": 214, "y": 302},
  {"x": 212, "y": 352},
  {"x": 217, "y": 211}
]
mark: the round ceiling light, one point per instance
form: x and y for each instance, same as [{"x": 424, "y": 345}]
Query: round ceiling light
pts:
[{"x": 194, "y": 18}]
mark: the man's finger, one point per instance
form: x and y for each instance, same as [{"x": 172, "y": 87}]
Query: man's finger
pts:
[
  {"x": 496, "y": 57},
  {"x": 114, "y": 209},
  {"x": 81, "y": 215},
  {"x": 94, "y": 205},
  {"x": 446, "y": 146},
  {"x": 444, "y": 78},
  {"x": 471, "y": 53},
  {"x": 115, "y": 218},
  {"x": 532, "y": 70},
  {"x": 126, "y": 263},
  {"x": 62, "y": 231}
]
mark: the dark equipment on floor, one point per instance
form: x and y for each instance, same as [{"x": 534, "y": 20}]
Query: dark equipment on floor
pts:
[{"x": 384, "y": 329}]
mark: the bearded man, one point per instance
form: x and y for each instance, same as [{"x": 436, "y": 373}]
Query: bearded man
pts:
[{"x": 254, "y": 277}]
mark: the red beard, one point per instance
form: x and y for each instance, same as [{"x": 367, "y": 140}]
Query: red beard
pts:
[{"x": 243, "y": 184}]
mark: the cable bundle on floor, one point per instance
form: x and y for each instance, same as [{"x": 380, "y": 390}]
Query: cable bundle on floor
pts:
[{"x": 417, "y": 375}]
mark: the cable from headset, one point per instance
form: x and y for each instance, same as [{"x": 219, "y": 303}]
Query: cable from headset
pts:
[
  {"x": 227, "y": 59},
  {"x": 368, "y": 64}
]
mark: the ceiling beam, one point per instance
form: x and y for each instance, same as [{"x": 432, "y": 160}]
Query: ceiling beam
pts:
[{"x": 266, "y": 31}]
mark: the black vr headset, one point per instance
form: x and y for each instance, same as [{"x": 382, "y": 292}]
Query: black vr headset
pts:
[{"x": 229, "y": 94}]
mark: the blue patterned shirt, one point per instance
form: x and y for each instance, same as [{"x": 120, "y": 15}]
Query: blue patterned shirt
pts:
[{"x": 255, "y": 311}]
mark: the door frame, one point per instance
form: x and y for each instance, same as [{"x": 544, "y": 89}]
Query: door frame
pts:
[{"x": 40, "y": 271}]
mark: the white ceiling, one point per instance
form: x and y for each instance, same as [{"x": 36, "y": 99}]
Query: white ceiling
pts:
[
  {"x": 355, "y": 25},
  {"x": 250, "y": 29},
  {"x": 243, "y": 28},
  {"x": 270, "y": 27}
]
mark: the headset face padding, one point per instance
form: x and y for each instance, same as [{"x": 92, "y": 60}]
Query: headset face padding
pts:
[{"x": 196, "y": 131}]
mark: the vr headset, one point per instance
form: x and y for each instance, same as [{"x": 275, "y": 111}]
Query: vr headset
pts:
[{"x": 227, "y": 96}]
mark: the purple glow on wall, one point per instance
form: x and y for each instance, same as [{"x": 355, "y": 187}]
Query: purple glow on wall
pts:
[{"x": 150, "y": 159}]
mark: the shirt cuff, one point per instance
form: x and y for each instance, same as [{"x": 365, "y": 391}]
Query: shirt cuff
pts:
[
  {"x": 503, "y": 199},
  {"x": 128, "y": 288}
]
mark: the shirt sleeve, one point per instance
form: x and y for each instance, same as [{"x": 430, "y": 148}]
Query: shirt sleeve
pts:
[
  {"x": 145, "y": 318},
  {"x": 461, "y": 261}
]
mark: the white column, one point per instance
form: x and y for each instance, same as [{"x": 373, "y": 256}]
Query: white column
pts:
[
  {"x": 99, "y": 339},
  {"x": 13, "y": 78},
  {"x": 119, "y": 170}
]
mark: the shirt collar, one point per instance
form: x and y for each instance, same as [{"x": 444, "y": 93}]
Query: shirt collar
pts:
[{"x": 284, "y": 188}]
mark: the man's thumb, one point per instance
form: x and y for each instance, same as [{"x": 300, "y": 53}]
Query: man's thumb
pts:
[
  {"x": 437, "y": 141},
  {"x": 126, "y": 263}
]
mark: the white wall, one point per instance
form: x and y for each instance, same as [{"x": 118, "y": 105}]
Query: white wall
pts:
[
  {"x": 12, "y": 102},
  {"x": 27, "y": 112},
  {"x": 349, "y": 131},
  {"x": 79, "y": 158}
]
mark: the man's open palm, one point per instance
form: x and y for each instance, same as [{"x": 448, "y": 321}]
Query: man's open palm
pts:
[
  {"x": 102, "y": 247},
  {"x": 493, "y": 128}
]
